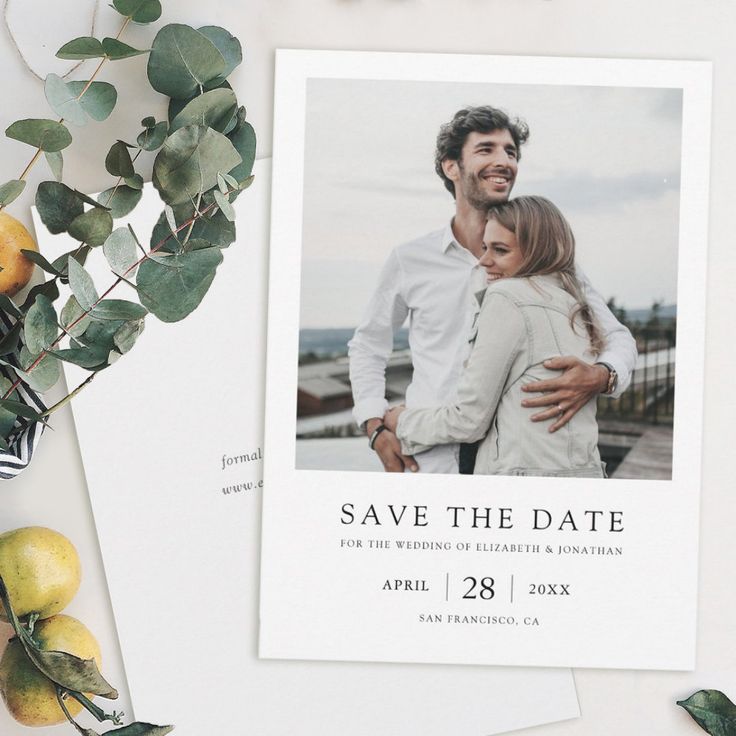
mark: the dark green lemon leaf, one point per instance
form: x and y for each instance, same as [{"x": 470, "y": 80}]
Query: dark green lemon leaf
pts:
[{"x": 712, "y": 711}]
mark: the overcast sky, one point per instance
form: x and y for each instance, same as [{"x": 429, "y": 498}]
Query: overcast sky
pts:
[{"x": 608, "y": 157}]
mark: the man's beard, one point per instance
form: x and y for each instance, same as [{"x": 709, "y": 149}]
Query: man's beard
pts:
[{"x": 477, "y": 197}]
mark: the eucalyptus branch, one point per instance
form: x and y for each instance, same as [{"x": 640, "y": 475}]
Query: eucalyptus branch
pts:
[
  {"x": 39, "y": 151},
  {"x": 120, "y": 279}
]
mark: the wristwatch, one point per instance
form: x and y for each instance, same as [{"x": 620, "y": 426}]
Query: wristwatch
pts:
[{"x": 612, "y": 378}]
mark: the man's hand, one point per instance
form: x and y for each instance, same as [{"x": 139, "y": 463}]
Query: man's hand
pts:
[
  {"x": 388, "y": 449},
  {"x": 569, "y": 393}
]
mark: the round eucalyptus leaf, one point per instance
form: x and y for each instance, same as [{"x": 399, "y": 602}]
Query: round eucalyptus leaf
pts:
[
  {"x": 63, "y": 101},
  {"x": 99, "y": 99},
  {"x": 141, "y": 11},
  {"x": 182, "y": 60},
  {"x": 44, "y": 375},
  {"x": 215, "y": 229},
  {"x": 177, "y": 105},
  {"x": 244, "y": 140},
  {"x": 91, "y": 358},
  {"x": 57, "y": 205},
  {"x": 115, "y": 50},
  {"x": 153, "y": 137},
  {"x": 214, "y": 109},
  {"x": 171, "y": 287},
  {"x": 11, "y": 190},
  {"x": 120, "y": 251},
  {"x": 121, "y": 201},
  {"x": 148, "y": 122},
  {"x": 85, "y": 47},
  {"x": 189, "y": 161},
  {"x": 228, "y": 46},
  {"x": 48, "y": 135},
  {"x": 135, "y": 181},
  {"x": 40, "y": 328},
  {"x": 118, "y": 161},
  {"x": 55, "y": 160},
  {"x": 74, "y": 319},
  {"x": 91, "y": 227},
  {"x": 81, "y": 285}
]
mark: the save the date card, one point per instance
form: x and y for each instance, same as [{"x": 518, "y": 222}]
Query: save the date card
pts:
[{"x": 485, "y": 360}]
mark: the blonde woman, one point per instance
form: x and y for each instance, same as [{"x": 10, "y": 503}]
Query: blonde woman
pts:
[{"x": 533, "y": 309}]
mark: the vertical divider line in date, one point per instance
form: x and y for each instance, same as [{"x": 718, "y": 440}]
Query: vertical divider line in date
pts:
[
  {"x": 447, "y": 587},
  {"x": 512, "y": 588}
]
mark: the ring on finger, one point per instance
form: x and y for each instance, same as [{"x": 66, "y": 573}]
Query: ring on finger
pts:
[{"x": 560, "y": 409}]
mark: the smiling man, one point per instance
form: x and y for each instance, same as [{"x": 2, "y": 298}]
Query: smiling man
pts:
[{"x": 433, "y": 280}]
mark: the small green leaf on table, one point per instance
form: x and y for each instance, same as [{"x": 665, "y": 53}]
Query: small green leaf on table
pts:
[
  {"x": 85, "y": 47},
  {"x": 116, "y": 50},
  {"x": 712, "y": 711}
]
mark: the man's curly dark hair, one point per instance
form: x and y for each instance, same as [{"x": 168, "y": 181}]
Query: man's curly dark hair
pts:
[{"x": 482, "y": 119}]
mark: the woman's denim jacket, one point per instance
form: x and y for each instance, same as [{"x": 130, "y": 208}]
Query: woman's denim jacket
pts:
[{"x": 522, "y": 322}]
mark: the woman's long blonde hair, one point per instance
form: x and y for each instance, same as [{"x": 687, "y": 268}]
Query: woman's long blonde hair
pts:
[{"x": 547, "y": 246}]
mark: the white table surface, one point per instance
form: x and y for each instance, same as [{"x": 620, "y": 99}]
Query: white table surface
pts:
[{"x": 52, "y": 491}]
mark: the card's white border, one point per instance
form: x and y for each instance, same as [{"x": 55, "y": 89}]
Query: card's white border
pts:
[{"x": 293, "y": 70}]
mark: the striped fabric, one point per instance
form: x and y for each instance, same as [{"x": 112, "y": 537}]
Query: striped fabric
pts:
[{"x": 23, "y": 443}]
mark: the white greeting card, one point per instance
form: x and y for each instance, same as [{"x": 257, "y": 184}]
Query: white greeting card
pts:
[
  {"x": 536, "y": 562},
  {"x": 172, "y": 439}
]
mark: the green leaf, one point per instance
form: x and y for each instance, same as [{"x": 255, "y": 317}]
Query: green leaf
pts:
[
  {"x": 91, "y": 358},
  {"x": 120, "y": 251},
  {"x": 85, "y": 47},
  {"x": 57, "y": 205},
  {"x": 98, "y": 101},
  {"x": 214, "y": 109},
  {"x": 56, "y": 163},
  {"x": 172, "y": 287},
  {"x": 118, "y": 161},
  {"x": 141, "y": 11},
  {"x": 182, "y": 60},
  {"x": 18, "y": 407},
  {"x": 11, "y": 190},
  {"x": 228, "y": 46},
  {"x": 40, "y": 329},
  {"x": 73, "y": 314},
  {"x": 118, "y": 309},
  {"x": 49, "y": 289},
  {"x": 68, "y": 671},
  {"x": 712, "y": 711},
  {"x": 91, "y": 227},
  {"x": 224, "y": 204},
  {"x": 189, "y": 162},
  {"x": 148, "y": 122},
  {"x": 127, "y": 335},
  {"x": 152, "y": 138},
  {"x": 9, "y": 341},
  {"x": 123, "y": 202},
  {"x": 142, "y": 729},
  {"x": 48, "y": 135},
  {"x": 43, "y": 376},
  {"x": 7, "y": 416},
  {"x": 82, "y": 285},
  {"x": 41, "y": 262},
  {"x": 116, "y": 50},
  {"x": 7, "y": 305},
  {"x": 63, "y": 101},
  {"x": 135, "y": 181},
  {"x": 244, "y": 140}
]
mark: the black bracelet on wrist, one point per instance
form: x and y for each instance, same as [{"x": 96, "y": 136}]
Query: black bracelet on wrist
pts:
[{"x": 375, "y": 433}]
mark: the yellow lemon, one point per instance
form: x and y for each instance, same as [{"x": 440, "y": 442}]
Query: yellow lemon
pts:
[
  {"x": 29, "y": 695},
  {"x": 16, "y": 268},
  {"x": 40, "y": 569}
]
